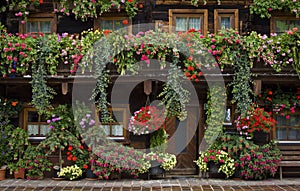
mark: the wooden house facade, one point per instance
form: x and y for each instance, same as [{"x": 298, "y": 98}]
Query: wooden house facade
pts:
[{"x": 170, "y": 16}]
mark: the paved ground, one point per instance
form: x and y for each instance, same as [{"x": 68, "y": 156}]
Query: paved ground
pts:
[{"x": 190, "y": 184}]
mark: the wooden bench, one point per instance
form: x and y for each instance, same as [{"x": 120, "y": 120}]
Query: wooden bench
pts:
[{"x": 290, "y": 157}]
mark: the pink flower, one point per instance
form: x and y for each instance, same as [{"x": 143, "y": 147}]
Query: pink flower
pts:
[
  {"x": 213, "y": 40},
  {"x": 287, "y": 117},
  {"x": 146, "y": 59}
]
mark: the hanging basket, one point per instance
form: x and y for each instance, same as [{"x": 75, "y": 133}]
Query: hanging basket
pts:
[{"x": 260, "y": 138}]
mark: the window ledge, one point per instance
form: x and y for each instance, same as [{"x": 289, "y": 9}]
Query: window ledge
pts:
[{"x": 296, "y": 142}]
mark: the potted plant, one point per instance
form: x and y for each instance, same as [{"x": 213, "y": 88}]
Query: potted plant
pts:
[
  {"x": 18, "y": 142},
  {"x": 62, "y": 133},
  {"x": 70, "y": 172},
  {"x": 260, "y": 163},
  {"x": 146, "y": 120},
  {"x": 5, "y": 129},
  {"x": 221, "y": 158},
  {"x": 35, "y": 163},
  {"x": 257, "y": 122}
]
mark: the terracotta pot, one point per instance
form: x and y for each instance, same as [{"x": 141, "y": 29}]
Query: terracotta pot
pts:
[
  {"x": 2, "y": 174},
  {"x": 20, "y": 173}
]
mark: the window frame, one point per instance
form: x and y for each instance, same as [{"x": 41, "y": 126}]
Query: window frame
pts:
[
  {"x": 287, "y": 131},
  {"x": 218, "y": 13},
  {"x": 189, "y": 13},
  {"x": 39, "y": 17},
  {"x": 97, "y": 21},
  {"x": 26, "y": 123},
  {"x": 281, "y": 17},
  {"x": 124, "y": 122}
]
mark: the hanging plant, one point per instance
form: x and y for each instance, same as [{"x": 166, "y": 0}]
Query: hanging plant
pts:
[
  {"x": 146, "y": 120},
  {"x": 174, "y": 96},
  {"x": 241, "y": 84},
  {"x": 264, "y": 8},
  {"x": 92, "y": 9},
  {"x": 215, "y": 113},
  {"x": 41, "y": 93}
]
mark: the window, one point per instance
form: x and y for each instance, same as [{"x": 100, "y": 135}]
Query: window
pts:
[
  {"x": 45, "y": 23},
  {"x": 225, "y": 19},
  {"x": 116, "y": 129},
  {"x": 186, "y": 19},
  {"x": 112, "y": 23},
  {"x": 280, "y": 25},
  {"x": 288, "y": 129},
  {"x": 35, "y": 124}
]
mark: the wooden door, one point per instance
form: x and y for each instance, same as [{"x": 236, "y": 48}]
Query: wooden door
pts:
[{"x": 183, "y": 141}]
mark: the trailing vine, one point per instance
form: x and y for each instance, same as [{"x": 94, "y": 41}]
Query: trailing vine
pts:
[
  {"x": 41, "y": 93},
  {"x": 241, "y": 84},
  {"x": 99, "y": 94},
  {"x": 174, "y": 95},
  {"x": 215, "y": 113}
]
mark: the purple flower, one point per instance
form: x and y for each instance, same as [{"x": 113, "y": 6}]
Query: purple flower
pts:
[
  {"x": 92, "y": 122},
  {"x": 88, "y": 115},
  {"x": 64, "y": 34},
  {"x": 51, "y": 127},
  {"x": 81, "y": 123},
  {"x": 48, "y": 121}
]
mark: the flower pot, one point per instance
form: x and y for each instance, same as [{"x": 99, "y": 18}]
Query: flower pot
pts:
[
  {"x": 90, "y": 175},
  {"x": 260, "y": 138},
  {"x": 156, "y": 169},
  {"x": 20, "y": 173},
  {"x": 2, "y": 173},
  {"x": 55, "y": 174},
  {"x": 213, "y": 170}
]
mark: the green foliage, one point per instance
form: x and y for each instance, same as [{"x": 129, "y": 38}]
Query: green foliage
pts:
[
  {"x": 9, "y": 108},
  {"x": 175, "y": 97},
  {"x": 241, "y": 84},
  {"x": 5, "y": 155},
  {"x": 92, "y": 9},
  {"x": 41, "y": 93},
  {"x": 158, "y": 141},
  {"x": 63, "y": 132},
  {"x": 264, "y": 8},
  {"x": 216, "y": 100},
  {"x": 35, "y": 163},
  {"x": 18, "y": 142}
]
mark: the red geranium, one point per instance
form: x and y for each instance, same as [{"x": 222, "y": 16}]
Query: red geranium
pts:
[
  {"x": 146, "y": 120},
  {"x": 257, "y": 120}
]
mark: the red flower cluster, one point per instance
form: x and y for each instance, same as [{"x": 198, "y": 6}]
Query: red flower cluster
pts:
[
  {"x": 69, "y": 154},
  {"x": 146, "y": 120},
  {"x": 258, "y": 120}
]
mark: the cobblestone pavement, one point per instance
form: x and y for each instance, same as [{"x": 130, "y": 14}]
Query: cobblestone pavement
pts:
[{"x": 188, "y": 184}]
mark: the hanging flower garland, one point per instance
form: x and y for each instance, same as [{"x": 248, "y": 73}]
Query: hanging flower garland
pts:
[{"x": 146, "y": 120}]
